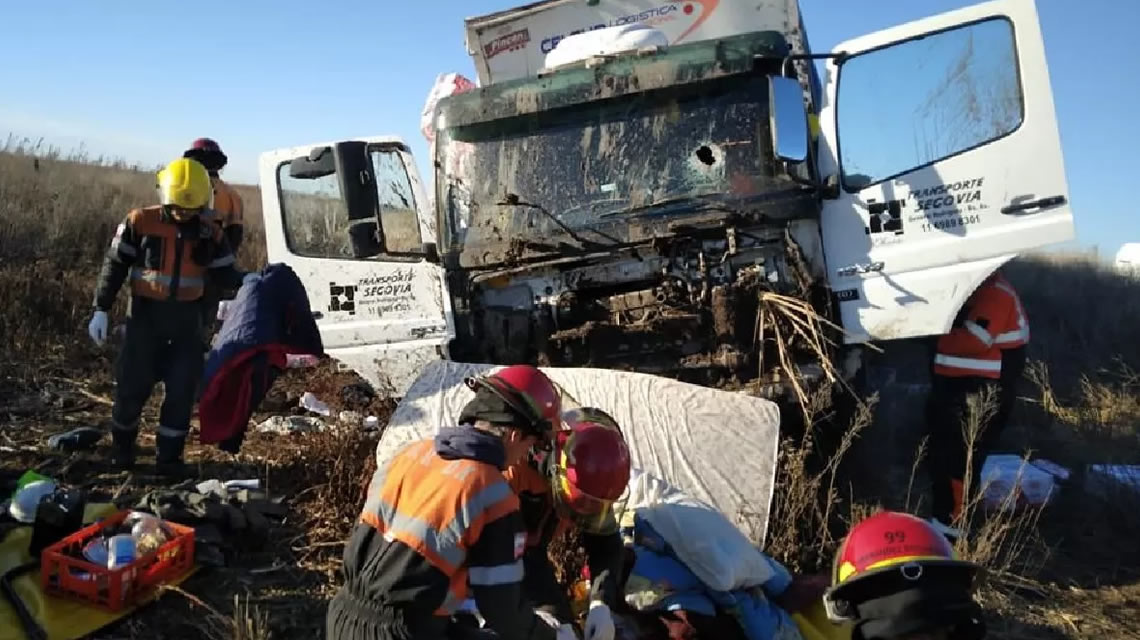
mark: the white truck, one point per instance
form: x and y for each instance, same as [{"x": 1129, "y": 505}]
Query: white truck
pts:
[{"x": 634, "y": 210}]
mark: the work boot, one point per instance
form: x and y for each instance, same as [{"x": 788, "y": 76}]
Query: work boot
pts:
[
  {"x": 123, "y": 448},
  {"x": 168, "y": 459}
]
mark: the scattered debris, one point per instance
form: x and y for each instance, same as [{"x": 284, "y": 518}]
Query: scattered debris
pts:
[
  {"x": 351, "y": 418},
  {"x": 291, "y": 424},
  {"x": 1110, "y": 480},
  {"x": 301, "y": 361},
  {"x": 371, "y": 423},
  {"x": 1010, "y": 481},
  {"x": 314, "y": 404},
  {"x": 80, "y": 439}
]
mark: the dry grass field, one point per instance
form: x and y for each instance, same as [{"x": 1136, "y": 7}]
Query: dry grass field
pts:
[{"x": 1071, "y": 570}]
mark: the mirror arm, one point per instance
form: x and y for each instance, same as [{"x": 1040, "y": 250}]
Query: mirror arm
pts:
[{"x": 786, "y": 65}]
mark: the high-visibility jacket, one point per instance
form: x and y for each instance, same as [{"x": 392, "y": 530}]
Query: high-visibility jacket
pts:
[
  {"x": 603, "y": 546},
  {"x": 165, "y": 259},
  {"x": 228, "y": 205},
  {"x": 994, "y": 321}
]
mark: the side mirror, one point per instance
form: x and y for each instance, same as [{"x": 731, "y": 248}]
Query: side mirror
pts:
[
  {"x": 787, "y": 119},
  {"x": 431, "y": 252}
]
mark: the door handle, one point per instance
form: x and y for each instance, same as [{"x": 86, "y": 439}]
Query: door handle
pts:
[
  {"x": 853, "y": 269},
  {"x": 1040, "y": 203}
]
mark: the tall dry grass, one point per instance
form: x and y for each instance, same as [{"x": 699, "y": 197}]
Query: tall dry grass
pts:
[{"x": 58, "y": 212}]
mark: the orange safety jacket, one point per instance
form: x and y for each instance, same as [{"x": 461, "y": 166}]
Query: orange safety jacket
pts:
[
  {"x": 995, "y": 320},
  {"x": 228, "y": 207},
  {"x": 168, "y": 262},
  {"x": 543, "y": 524},
  {"x": 439, "y": 507}
]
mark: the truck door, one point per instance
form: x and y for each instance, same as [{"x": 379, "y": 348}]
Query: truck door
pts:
[
  {"x": 942, "y": 136},
  {"x": 352, "y": 220}
]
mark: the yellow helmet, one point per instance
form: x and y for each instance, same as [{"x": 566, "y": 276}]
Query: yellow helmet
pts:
[{"x": 185, "y": 184}]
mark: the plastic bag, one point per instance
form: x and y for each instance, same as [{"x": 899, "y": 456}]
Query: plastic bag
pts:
[{"x": 1009, "y": 481}]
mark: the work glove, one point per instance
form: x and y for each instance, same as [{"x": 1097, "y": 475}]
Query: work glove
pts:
[
  {"x": 599, "y": 622},
  {"x": 563, "y": 631},
  {"x": 97, "y": 329}
]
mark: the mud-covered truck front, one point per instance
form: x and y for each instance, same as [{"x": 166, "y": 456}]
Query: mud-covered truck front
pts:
[{"x": 697, "y": 208}]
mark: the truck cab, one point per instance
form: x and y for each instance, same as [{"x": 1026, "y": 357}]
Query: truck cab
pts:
[{"x": 700, "y": 210}]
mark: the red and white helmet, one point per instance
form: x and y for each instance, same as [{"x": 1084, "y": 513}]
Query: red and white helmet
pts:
[
  {"x": 895, "y": 574},
  {"x": 528, "y": 392},
  {"x": 590, "y": 467},
  {"x": 208, "y": 152}
]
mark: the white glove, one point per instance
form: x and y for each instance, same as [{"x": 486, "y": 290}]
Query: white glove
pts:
[
  {"x": 252, "y": 276},
  {"x": 223, "y": 309},
  {"x": 563, "y": 631},
  {"x": 599, "y": 622},
  {"x": 97, "y": 329}
]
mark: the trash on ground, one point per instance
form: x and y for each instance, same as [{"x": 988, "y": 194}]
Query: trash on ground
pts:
[
  {"x": 351, "y": 418},
  {"x": 1048, "y": 466},
  {"x": 222, "y": 524},
  {"x": 301, "y": 361},
  {"x": 291, "y": 424},
  {"x": 223, "y": 489},
  {"x": 1009, "y": 481},
  {"x": 357, "y": 395},
  {"x": 314, "y": 404},
  {"x": 1110, "y": 480},
  {"x": 371, "y": 423},
  {"x": 26, "y": 500},
  {"x": 80, "y": 439}
]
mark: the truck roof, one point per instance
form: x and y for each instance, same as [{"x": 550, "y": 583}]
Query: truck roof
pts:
[{"x": 614, "y": 77}]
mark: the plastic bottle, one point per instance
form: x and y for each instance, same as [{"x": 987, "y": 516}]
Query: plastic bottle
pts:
[{"x": 148, "y": 533}]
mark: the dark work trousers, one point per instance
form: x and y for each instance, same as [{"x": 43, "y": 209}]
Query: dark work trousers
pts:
[
  {"x": 351, "y": 618},
  {"x": 946, "y": 413},
  {"x": 162, "y": 343}
]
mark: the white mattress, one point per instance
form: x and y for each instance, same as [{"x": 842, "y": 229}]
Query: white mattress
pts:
[{"x": 719, "y": 447}]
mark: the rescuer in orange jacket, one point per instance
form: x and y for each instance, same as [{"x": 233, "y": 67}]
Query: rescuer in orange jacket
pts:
[
  {"x": 170, "y": 254},
  {"x": 440, "y": 520},
  {"x": 575, "y": 485},
  {"x": 227, "y": 212},
  {"x": 984, "y": 349}
]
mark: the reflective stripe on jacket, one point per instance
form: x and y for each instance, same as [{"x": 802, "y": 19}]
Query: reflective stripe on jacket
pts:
[
  {"x": 439, "y": 508},
  {"x": 994, "y": 320},
  {"x": 170, "y": 260}
]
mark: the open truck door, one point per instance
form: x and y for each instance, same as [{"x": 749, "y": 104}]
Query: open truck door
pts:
[
  {"x": 352, "y": 220},
  {"x": 941, "y": 153}
]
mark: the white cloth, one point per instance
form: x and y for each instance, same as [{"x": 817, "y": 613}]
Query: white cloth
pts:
[
  {"x": 97, "y": 329},
  {"x": 716, "y": 446}
]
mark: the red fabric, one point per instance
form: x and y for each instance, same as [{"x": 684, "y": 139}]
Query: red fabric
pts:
[{"x": 225, "y": 406}]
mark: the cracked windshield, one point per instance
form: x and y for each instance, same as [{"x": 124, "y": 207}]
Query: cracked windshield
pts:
[{"x": 591, "y": 166}]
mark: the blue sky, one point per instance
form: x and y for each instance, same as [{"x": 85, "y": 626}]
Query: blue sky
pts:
[{"x": 140, "y": 80}]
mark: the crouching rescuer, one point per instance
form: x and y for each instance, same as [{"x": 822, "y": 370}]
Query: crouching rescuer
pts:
[
  {"x": 167, "y": 251},
  {"x": 441, "y": 523}
]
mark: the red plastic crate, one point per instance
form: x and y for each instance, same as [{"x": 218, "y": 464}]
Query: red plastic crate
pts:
[{"x": 65, "y": 572}]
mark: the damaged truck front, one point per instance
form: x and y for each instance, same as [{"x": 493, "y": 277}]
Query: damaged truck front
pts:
[
  {"x": 686, "y": 209},
  {"x": 625, "y": 215}
]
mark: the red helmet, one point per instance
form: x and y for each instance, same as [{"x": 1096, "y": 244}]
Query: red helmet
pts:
[
  {"x": 527, "y": 391},
  {"x": 893, "y": 554},
  {"x": 206, "y": 151},
  {"x": 591, "y": 467}
]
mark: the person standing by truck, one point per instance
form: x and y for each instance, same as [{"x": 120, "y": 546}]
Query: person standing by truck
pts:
[
  {"x": 441, "y": 522},
  {"x": 169, "y": 253},
  {"x": 227, "y": 212},
  {"x": 984, "y": 351}
]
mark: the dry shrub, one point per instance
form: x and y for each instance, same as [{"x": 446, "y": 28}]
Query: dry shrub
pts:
[
  {"x": 246, "y": 622},
  {"x": 805, "y": 523}
]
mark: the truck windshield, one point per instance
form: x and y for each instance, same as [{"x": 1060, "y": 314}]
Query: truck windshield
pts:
[{"x": 603, "y": 163}]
